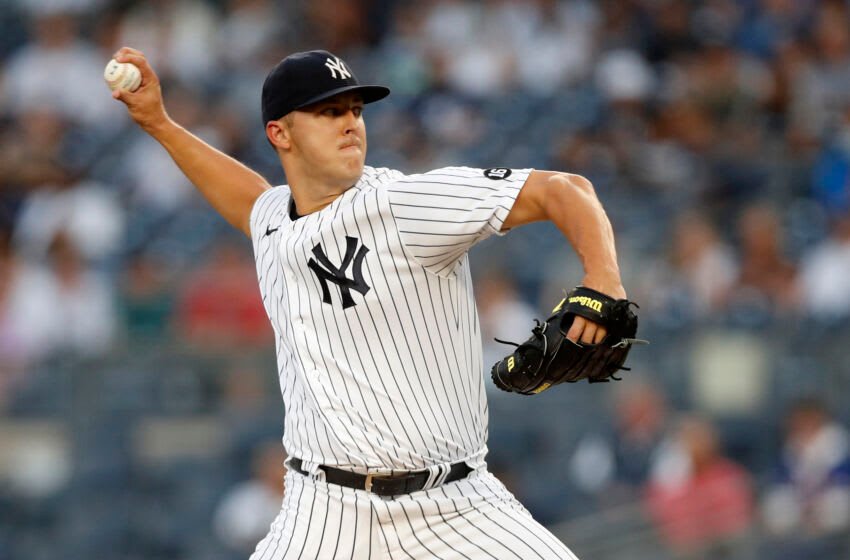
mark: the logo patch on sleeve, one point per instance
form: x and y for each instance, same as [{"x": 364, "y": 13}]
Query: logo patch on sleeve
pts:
[{"x": 497, "y": 173}]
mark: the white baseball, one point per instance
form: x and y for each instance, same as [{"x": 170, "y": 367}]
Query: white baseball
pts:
[{"x": 122, "y": 75}]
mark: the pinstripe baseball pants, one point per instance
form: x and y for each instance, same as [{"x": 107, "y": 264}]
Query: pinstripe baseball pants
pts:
[{"x": 474, "y": 518}]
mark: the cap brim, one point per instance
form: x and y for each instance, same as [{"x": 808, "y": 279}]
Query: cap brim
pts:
[{"x": 370, "y": 94}]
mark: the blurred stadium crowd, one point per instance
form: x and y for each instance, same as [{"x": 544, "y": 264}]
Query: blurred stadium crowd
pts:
[{"x": 137, "y": 379}]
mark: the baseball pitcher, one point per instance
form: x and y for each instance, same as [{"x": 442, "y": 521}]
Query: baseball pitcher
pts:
[{"x": 364, "y": 274}]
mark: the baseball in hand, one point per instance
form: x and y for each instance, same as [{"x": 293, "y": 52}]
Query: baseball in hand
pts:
[{"x": 122, "y": 75}]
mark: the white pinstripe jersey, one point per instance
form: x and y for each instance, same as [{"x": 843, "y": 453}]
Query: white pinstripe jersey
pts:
[{"x": 377, "y": 336}]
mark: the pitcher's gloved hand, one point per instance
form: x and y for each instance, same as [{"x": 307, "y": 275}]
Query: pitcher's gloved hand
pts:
[{"x": 549, "y": 358}]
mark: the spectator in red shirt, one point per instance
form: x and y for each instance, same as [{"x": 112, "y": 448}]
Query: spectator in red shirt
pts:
[
  {"x": 700, "y": 500},
  {"x": 220, "y": 305}
]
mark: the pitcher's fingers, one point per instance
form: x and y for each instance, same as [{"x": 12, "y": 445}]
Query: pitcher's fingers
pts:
[
  {"x": 139, "y": 60},
  {"x": 576, "y": 329},
  {"x": 588, "y": 335},
  {"x": 127, "y": 50},
  {"x": 600, "y": 334}
]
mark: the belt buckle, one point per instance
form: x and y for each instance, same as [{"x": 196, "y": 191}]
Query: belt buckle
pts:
[{"x": 369, "y": 478}]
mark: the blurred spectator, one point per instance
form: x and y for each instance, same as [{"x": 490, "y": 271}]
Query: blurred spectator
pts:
[
  {"x": 59, "y": 69},
  {"x": 767, "y": 279},
  {"x": 449, "y": 23},
  {"x": 219, "y": 305},
  {"x": 689, "y": 126},
  {"x": 556, "y": 47},
  {"x": 669, "y": 30},
  {"x": 63, "y": 308},
  {"x": 700, "y": 272},
  {"x": 715, "y": 22},
  {"x": 250, "y": 28},
  {"x": 831, "y": 172},
  {"x": 823, "y": 90},
  {"x": 338, "y": 25},
  {"x": 701, "y": 501},
  {"x": 728, "y": 83},
  {"x": 59, "y": 309},
  {"x": 810, "y": 496},
  {"x": 147, "y": 299},
  {"x": 451, "y": 123},
  {"x": 617, "y": 25},
  {"x": 667, "y": 158},
  {"x": 502, "y": 313},
  {"x": 86, "y": 212},
  {"x": 825, "y": 274},
  {"x": 243, "y": 516},
  {"x": 790, "y": 66},
  {"x": 32, "y": 154},
  {"x": 624, "y": 76},
  {"x": 177, "y": 37},
  {"x": 773, "y": 25},
  {"x": 403, "y": 52},
  {"x": 474, "y": 54},
  {"x": 24, "y": 321},
  {"x": 615, "y": 466},
  {"x": 80, "y": 304}
]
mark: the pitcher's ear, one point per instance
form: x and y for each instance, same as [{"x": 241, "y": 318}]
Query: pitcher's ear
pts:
[{"x": 279, "y": 134}]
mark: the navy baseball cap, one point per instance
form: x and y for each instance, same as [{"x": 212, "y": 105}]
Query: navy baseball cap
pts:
[{"x": 305, "y": 78}]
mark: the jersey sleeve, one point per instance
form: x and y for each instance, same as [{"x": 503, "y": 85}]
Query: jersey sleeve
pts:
[
  {"x": 441, "y": 214},
  {"x": 267, "y": 207},
  {"x": 267, "y": 214}
]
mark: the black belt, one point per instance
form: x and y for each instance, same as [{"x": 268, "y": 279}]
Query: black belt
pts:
[{"x": 384, "y": 485}]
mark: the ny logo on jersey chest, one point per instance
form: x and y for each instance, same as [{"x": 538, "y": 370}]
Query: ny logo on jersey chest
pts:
[{"x": 326, "y": 272}]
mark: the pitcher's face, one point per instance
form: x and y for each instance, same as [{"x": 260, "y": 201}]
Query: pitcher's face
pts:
[{"x": 329, "y": 139}]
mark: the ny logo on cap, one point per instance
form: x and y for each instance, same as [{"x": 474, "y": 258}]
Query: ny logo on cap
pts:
[
  {"x": 326, "y": 271},
  {"x": 336, "y": 65}
]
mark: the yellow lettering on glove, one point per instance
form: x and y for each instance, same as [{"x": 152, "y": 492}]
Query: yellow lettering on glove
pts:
[{"x": 585, "y": 301}]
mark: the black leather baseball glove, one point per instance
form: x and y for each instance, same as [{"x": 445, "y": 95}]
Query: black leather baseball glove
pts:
[{"x": 549, "y": 358}]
